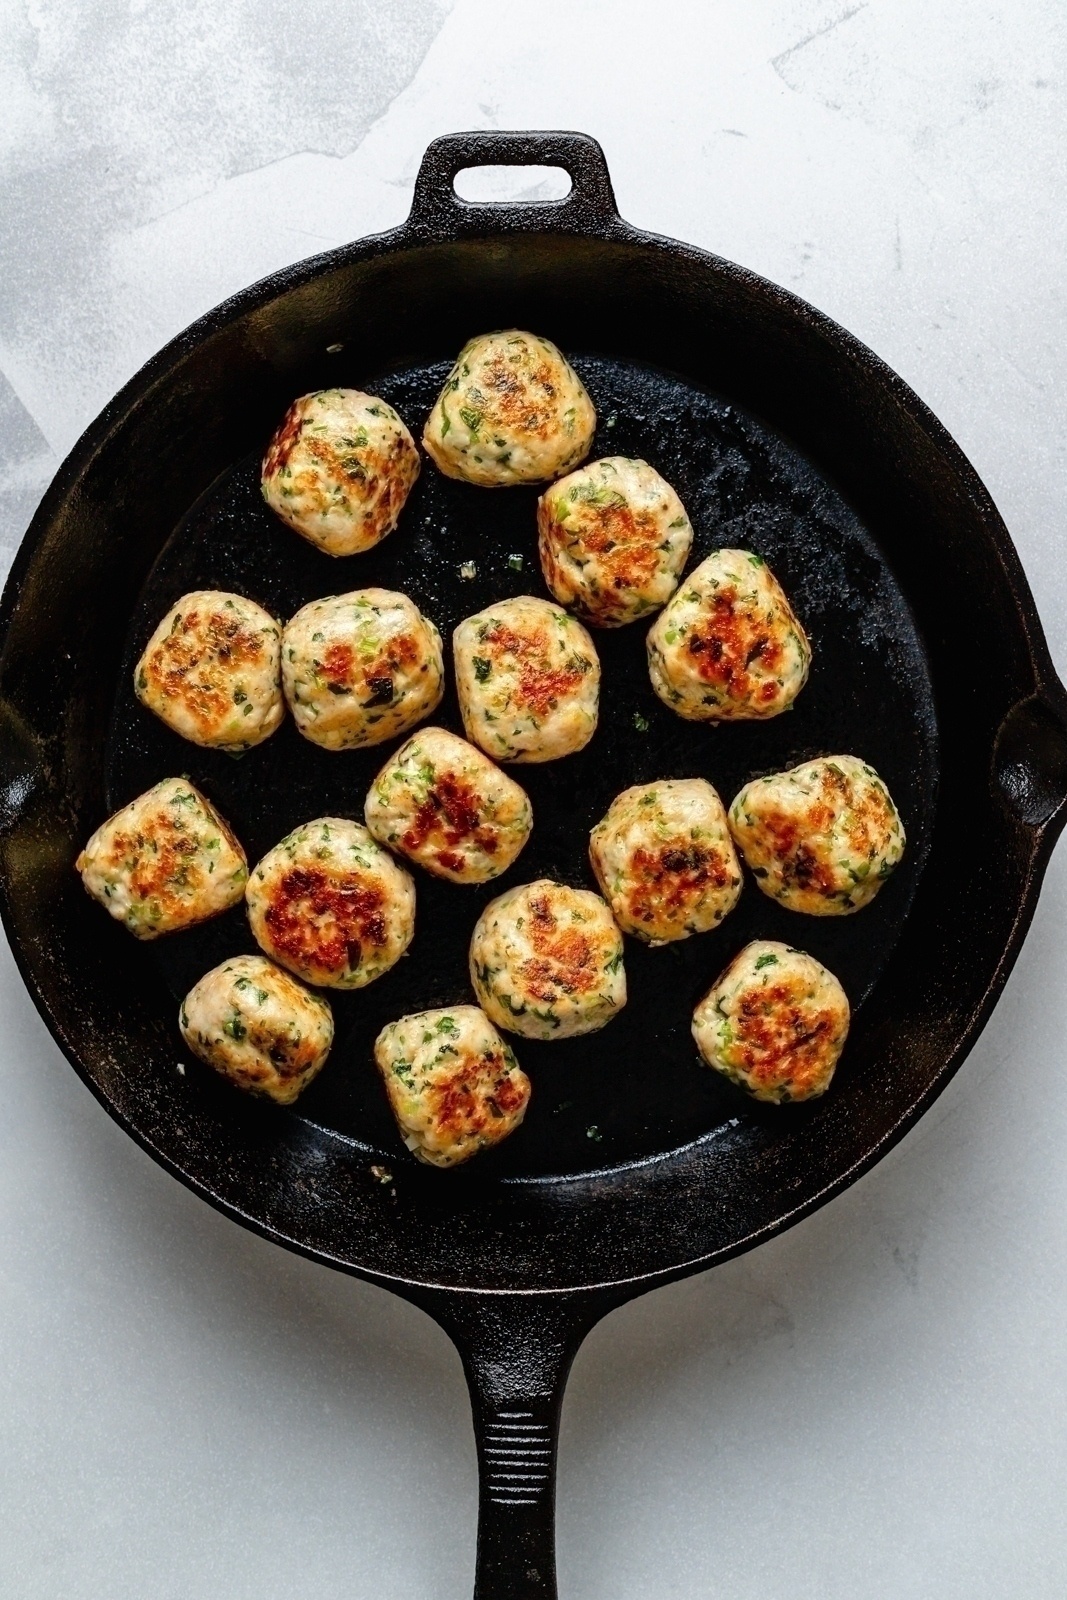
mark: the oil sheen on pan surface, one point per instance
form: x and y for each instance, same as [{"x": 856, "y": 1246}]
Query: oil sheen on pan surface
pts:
[{"x": 637, "y": 1087}]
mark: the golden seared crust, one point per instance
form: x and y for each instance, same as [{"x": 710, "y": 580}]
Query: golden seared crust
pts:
[
  {"x": 339, "y": 469},
  {"x": 258, "y": 1027},
  {"x": 775, "y": 1023},
  {"x": 821, "y": 838},
  {"x": 613, "y": 539},
  {"x": 528, "y": 680},
  {"x": 665, "y": 861},
  {"x": 361, "y": 668},
  {"x": 211, "y": 671},
  {"x": 453, "y": 1084},
  {"x": 331, "y": 905},
  {"x": 165, "y": 861},
  {"x": 512, "y": 410},
  {"x": 546, "y": 961},
  {"x": 445, "y": 805},
  {"x": 728, "y": 647}
]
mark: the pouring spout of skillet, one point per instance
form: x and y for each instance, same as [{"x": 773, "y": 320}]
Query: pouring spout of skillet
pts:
[{"x": 782, "y": 434}]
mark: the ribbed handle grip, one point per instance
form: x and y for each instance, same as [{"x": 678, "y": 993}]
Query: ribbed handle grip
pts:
[
  {"x": 517, "y": 1498},
  {"x": 517, "y": 1352}
]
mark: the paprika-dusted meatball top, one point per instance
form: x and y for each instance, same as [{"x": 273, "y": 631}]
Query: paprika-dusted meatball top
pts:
[
  {"x": 821, "y": 838},
  {"x": 258, "y": 1027},
  {"x": 339, "y": 469},
  {"x": 775, "y": 1022},
  {"x": 528, "y": 679},
  {"x": 211, "y": 671},
  {"x": 331, "y": 905},
  {"x": 360, "y": 668},
  {"x": 165, "y": 861},
  {"x": 728, "y": 647},
  {"x": 512, "y": 410},
  {"x": 614, "y": 538},
  {"x": 546, "y": 961},
  {"x": 443, "y": 804},
  {"x": 665, "y": 861},
  {"x": 453, "y": 1084}
]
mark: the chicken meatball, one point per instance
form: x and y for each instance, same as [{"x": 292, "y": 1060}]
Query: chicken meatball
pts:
[
  {"x": 665, "y": 861},
  {"x": 164, "y": 862},
  {"x": 546, "y": 961},
  {"x": 331, "y": 905},
  {"x": 211, "y": 671},
  {"x": 775, "y": 1023},
  {"x": 821, "y": 838},
  {"x": 512, "y": 411},
  {"x": 454, "y": 1086},
  {"x": 360, "y": 668},
  {"x": 728, "y": 647},
  {"x": 339, "y": 469},
  {"x": 258, "y": 1027},
  {"x": 528, "y": 679},
  {"x": 614, "y": 538},
  {"x": 443, "y": 804}
]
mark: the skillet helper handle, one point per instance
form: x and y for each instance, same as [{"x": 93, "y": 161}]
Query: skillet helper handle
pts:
[
  {"x": 1030, "y": 760},
  {"x": 438, "y": 212},
  {"x": 517, "y": 1352}
]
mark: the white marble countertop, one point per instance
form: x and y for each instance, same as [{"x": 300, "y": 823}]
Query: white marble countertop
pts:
[{"x": 873, "y": 1404}]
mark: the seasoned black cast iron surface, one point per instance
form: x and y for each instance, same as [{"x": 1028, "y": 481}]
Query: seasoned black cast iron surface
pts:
[
  {"x": 160, "y": 496},
  {"x": 637, "y": 1087}
]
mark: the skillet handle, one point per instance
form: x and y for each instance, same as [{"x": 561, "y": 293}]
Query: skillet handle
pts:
[
  {"x": 517, "y": 1351},
  {"x": 438, "y": 212},
  {"x": 1030, "y": 760}
]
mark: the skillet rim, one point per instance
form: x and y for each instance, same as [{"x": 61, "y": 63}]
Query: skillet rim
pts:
[{"x": 414, "y": 233}]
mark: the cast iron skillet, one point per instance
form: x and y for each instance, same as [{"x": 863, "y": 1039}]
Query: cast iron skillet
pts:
[{"x": 635, "y": 1164}]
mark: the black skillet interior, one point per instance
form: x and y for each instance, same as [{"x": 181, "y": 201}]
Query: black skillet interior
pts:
[
  {"x": 929, "y": 660},
  {"x": 636, "y": 1088}
]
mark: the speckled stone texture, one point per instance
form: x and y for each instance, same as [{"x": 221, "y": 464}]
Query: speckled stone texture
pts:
[{"x": 874, "y": 1403}]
